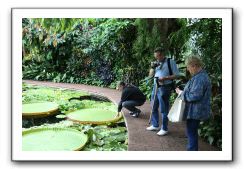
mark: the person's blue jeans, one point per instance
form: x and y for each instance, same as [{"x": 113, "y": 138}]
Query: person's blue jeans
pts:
[
  {"x": 192, "y": 134},
  {"x": 162, "y": 102},
  {"x": 131, "y": 105}
]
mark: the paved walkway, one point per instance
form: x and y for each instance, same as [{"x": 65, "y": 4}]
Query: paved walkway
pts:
[{"x": 139, "y": 138}]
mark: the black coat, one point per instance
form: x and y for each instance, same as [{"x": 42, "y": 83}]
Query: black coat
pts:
[{"x": 131, "y": 93}]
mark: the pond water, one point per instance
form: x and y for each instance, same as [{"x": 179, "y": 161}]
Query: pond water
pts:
[{"x": 106, "y": 137}]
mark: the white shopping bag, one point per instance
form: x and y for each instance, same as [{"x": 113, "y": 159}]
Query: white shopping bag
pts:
[{"x": 177, "y": 110}]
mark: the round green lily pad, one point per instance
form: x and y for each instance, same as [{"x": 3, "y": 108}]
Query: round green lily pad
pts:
[
  {"x": 53, "y": 139},
  {"x": 39, "y": 109},
  {"x": 93, "y": 116}
]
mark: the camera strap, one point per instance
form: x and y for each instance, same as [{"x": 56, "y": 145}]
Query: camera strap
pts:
[
  {"x": 170, "y": 72},
  {"x": 169, "y": 66}
]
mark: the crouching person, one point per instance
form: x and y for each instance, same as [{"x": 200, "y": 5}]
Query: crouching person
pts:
[{"x": 130, "y": 98}]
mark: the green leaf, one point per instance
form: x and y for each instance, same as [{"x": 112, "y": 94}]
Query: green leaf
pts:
[
  {"x": 210, "y": 140},
  {"x": 52, "y": 139},
  {"x": 49, "y": 55}
]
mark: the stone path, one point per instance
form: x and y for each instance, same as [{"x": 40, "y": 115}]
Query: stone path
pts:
[{"x": 139, "y": 138}]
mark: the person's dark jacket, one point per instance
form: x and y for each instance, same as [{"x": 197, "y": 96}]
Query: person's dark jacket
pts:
[{"x": 131, "y": 93}]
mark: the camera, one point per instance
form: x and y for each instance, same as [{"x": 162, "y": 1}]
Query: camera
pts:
[{"x": 155, "y": 64}]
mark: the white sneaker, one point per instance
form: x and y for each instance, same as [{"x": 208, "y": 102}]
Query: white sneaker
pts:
[
  {"x": 152, "y": 128},
  {"x": 162, "y": 132}
]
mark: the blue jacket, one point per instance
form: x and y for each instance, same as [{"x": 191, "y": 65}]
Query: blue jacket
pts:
[{"x": 197, "y": 94}]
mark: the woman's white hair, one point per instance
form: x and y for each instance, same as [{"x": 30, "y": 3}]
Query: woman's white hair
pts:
[{"x": 194, "y": 61}]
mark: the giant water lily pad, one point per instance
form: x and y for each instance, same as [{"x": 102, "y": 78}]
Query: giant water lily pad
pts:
[
  {"x": 93, "y": 116},
  {"x": 39, "y": 109},
  {"x": 53, "y": 139}
]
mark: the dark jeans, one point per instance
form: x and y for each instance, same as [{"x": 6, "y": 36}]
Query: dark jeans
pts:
[
  {"x": 192, "y": 134},
  {"x": 130, "y": 105},
  {"x": 162, "y": 102}
]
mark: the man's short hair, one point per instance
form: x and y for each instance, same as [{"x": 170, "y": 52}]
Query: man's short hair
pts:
[{"x": 159, "y": 50}]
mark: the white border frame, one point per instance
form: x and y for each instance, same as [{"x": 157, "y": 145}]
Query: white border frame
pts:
[{"x": 224, "y": 155}]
